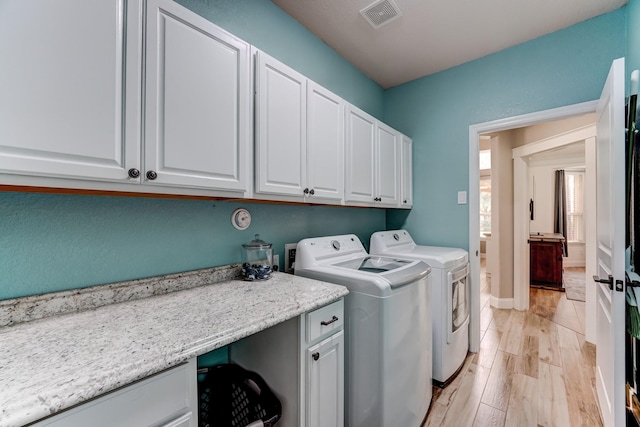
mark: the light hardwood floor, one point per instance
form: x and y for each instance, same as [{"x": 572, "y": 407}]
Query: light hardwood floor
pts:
[{"x": 534, "y": 368}]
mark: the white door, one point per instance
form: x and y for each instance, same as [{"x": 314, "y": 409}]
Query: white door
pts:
[
  {"x": 70, "y": 88},
  {"x": 197, "y": 101},
  {"x": 325, "y": 383},
  {"x": 388, "y": 151},
  {"x": 610, "y": 299},
  {"x": 407, "y": 173},
  {"x": 360, "y": 152},
  {"x": 281, "y": 120},
  {"x": 325, "y": 143}
]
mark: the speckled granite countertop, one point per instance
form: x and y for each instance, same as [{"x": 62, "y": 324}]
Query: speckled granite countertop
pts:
[{"x": 55, "y": 362}]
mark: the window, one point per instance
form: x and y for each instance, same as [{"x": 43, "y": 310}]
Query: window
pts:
[
  {"x": 574, "y": 183},
  {"x": 485, "y": 159},
  {"x": 485, "y": 206},
  {"x": 485, "y": 192}
]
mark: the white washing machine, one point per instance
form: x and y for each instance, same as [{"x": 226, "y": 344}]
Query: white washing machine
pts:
[
  {"x": 387, "y": 329},
  {"x": 449, "y": 297}
]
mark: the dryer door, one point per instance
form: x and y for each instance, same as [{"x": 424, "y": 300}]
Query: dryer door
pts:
[{"x": 458, "y": 301}]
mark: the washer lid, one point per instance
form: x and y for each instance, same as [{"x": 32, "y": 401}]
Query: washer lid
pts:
[
  {"x": 374, "y": 264},
  {"x": 435, "y": 256},
  {"x": 396, "y": 272}
]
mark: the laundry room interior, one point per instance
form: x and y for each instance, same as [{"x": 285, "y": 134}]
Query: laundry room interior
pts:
[{"x": 476, "y": 147}]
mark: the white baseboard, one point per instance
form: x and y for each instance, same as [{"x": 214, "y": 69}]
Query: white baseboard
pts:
[
  {"x": 503, "y": 303},
  {"x": 576, "y": 263}
]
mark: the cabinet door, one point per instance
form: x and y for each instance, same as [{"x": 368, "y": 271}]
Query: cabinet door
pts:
[
  {"x": 325, "y": 383},
  {"x": 359, "y": 161},
  {"x": 387, "y": 165},
  {"x": 281, "y": 134},
  {"x": 406, "y": 194},
  {"x": 197, "y": 112},
  {"x": 70, "y": 85},
  {"x": 325, "y": 143}
]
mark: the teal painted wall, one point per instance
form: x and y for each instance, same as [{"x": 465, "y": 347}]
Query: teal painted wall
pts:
[
  {"x": 58, "y": 242},
  {"x": 633, "y": 36},
  {"x": 267, "y": 27},
  {"x": 562, "y": 68}
]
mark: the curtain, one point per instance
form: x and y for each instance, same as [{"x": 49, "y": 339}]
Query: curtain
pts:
[{"x": 560, "y": 210}]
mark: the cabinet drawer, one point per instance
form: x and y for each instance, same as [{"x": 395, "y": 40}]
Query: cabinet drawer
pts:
[
  {"x": 163, "y": 400},
  {"x": 324, "y": 321}
]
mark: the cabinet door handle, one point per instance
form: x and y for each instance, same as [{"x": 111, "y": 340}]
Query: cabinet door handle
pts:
[
  {"x": 306, "y": 191},
  {"x": 152, "y": 175},
  {"x": 328, "y": 322},
  {"x": 312, "y": 191},
  {"x": 315, "y": 356},
  {"x": 133, "y": 173}
]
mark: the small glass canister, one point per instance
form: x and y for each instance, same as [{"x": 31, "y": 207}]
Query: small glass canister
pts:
[{"x": 257, "y": 259}]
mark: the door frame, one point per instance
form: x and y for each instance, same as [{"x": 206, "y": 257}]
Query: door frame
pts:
[{"x": 521, "y": 299}]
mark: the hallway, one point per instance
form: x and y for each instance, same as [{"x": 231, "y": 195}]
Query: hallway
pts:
[{"x": 533, "y": 368}]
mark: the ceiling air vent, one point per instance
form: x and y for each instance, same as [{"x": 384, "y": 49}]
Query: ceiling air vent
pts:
[{"x": 380, "y": 13}]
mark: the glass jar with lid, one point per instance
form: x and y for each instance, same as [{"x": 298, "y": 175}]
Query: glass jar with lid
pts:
[{"x": 257, "y": 259}]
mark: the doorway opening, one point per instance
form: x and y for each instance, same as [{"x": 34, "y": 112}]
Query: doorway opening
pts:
[{"x": 518, "y": 273}]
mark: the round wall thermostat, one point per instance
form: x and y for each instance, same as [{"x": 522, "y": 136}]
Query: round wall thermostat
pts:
[{"x": 241, "y": 219}]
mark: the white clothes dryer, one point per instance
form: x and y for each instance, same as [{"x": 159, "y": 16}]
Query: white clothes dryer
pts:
[
  {"x": 387, "y": 329},
  {"x": 449, "y": 297}
]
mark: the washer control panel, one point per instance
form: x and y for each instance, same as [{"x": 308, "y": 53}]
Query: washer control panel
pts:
[{"x": 331, "y": 247}]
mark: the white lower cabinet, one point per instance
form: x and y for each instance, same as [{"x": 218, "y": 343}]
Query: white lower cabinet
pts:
[
  {"x": 167, "y": 399},
  {"x": 302, "y": 361},
  {"x": 325, "y": 382}
]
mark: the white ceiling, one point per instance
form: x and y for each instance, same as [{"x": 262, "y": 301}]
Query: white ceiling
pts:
[{"x": 433, "y": 35}]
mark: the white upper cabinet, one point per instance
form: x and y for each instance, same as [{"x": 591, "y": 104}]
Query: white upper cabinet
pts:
[
  {"x": 72, "y": 103},
  {"x": 387, "y": 156},
  {"x": 197, "y": 112},
  {"x": 281, "y": 127},
  {"x": 325, "y": 144},
  {"x": 360, "y": 156},
  {"x": 372, "y": 161},
  {"x": 70, "y": 88},
  {"x": 406, "y": 194},
  {"x": 300, "y": 136}
]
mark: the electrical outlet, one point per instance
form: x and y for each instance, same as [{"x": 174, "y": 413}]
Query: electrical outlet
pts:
[{"x": 289, "y": 257}]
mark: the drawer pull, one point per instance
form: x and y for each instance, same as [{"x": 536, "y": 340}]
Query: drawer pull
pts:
[
  {"x": 316, "y": 356},
  {"x": 328, "y": 322}
]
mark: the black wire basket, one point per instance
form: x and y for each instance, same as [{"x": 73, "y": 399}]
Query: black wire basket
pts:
[{"x": 231, "y": 396}]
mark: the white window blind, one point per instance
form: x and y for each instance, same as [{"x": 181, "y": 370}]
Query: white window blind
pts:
[{"x": 574, "y": 182}]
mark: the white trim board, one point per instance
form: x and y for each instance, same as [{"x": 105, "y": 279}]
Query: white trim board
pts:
[
  {"x": 502, "y": 303},
  {"x": 521, "y": 299}
]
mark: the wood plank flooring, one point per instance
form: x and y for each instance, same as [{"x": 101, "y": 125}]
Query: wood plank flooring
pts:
[{"x": 534, "y": 368}]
